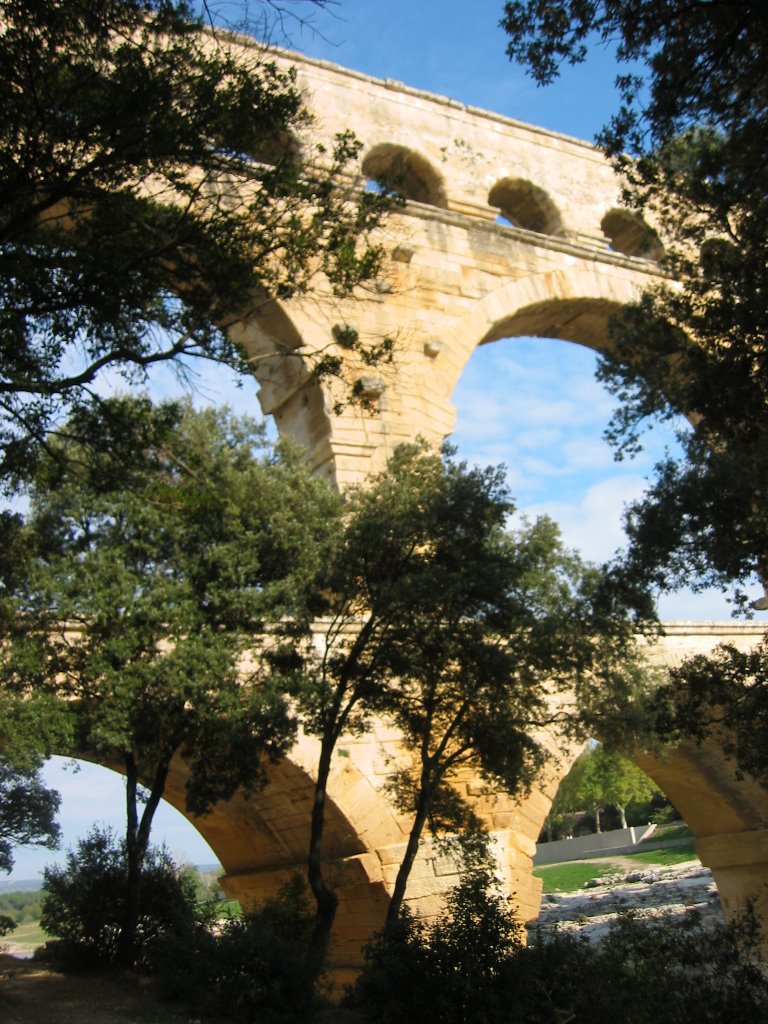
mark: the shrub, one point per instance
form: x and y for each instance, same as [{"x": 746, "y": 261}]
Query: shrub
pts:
[
  {"x": 447, "y": 972},
  {"x": 83, "y": 902},
  {"x": 470, "y": 967},
  {"x": 252, "y": 967}
]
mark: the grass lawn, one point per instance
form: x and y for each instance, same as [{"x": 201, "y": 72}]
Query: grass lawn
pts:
[
  {"x": 573, "y": 876},
  {"x": 28, "y": 934},
  {"x": 671, "y": 855},
  {"x": 674, "y": 831},
  {"x": 569, "y": 877}
]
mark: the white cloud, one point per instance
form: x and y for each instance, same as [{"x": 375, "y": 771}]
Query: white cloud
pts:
[{"x": 593, "y": 524}]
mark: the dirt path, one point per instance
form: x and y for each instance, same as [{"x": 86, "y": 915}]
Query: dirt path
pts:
[{"x": 31, "y": 994}]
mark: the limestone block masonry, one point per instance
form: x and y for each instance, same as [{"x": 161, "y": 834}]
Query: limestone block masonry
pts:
[{"x": 509, "y": 230}]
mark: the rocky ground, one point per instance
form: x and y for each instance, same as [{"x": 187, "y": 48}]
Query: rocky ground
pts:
[{"x": 672, "y": 890}]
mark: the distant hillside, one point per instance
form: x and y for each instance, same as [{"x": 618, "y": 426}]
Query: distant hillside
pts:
[
  {"x": 33, "y": 884},
  {"x": 22, "y": 885}
]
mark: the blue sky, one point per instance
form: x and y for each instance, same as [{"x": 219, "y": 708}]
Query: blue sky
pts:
[{"x": 549, "y": 439}]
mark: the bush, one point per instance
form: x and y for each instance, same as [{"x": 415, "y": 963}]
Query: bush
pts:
[
  {"x": 252, "y": 967},
  {"x": 447, "y": 972},
  {"x": 83, "y": 902},
  {"x": 471, "y": 968}
]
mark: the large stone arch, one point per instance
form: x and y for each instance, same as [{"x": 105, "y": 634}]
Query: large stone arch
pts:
[
  {"x": 727, "y": 815},
  {"x": 573, "y": 306},
  {"x": 262, "y": 839}
]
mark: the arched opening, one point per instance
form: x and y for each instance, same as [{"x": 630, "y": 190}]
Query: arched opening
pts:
[
  {"x": 277, "y": 150},
  {"x": 269, "y": 829},
  {"x": 406, "y": 172},
  {"x": 612, "y": 841},
  {"x": 532, "y": 403},
  {"x": 524, "y": 205},
  {"x": 724, "y": 819},
  {"x": 92, "y": 793},
  {"x": 253, "y": 843},
  {"x": 629, "y": 234}
]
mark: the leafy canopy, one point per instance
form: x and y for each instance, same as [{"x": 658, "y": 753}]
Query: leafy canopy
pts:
[
  {"x": 457, "y": 630},
  {"x": 154, "y": 189},
  {"x": 156, "y": 567},
  {"x": 27, "y": 812},
  {"x": 83, "y": 900},
  {"x": 602, "y": 778},
  {"x": 161, "y": 560}
]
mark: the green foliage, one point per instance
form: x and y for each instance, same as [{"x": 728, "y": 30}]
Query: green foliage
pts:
[
  {"x": 23, "y": 907},
  {"x": 155, "y": 184},
  {"x": 84, "y": 901},
  {"x": 160, "y": 560},
  {"x": 456, "y": 630},
  {"x": 154, "y": 574},
  {"x": 643, "y": 972},
  {"x": 446, "y": 972},
  {"x": 600, "y": 778},
  {"x": 250, "y": 968},
  {"x": 27, "y": 813},
  {"x": 724, "y": 694},
  {"x": 690, "y": 140}
]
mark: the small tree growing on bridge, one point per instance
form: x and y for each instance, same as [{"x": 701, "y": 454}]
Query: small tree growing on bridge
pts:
[{"x": 158, "y": 562}]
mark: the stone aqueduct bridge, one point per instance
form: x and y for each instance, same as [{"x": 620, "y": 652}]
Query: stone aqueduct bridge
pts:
[{"x": 566, "y": 259}]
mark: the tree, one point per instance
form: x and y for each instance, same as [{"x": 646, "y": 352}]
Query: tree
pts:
[
  {"x": 602, "y": 778},
  {"x": 505, "y": 623},
  {"x": 156, "y": 569},
  {"x": 27, "y": 812},
  {"x": 154, "y": 189},
  {"x": 690, "y": 139},
  {"x": 84, "y": 900},
  {"x": 454, "y": 630}
]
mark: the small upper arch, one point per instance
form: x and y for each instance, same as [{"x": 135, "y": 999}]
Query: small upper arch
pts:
[
  {"x": 525, "y": 205},
  {"x": 277, "y": 150},
  {"x": 404, "y": 171},
  {"x": 628, "y": 233}
]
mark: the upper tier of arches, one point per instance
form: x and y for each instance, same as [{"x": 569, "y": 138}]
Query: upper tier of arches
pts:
[{"x": 514, "y": 201}]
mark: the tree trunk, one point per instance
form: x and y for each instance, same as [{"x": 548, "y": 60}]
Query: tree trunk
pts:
[
  {"x": 598, "y": 830},
  {"x": 411, "y": 850},
  {"x": 137, "y": 835},
  {"x": 326, "y": 900},
  {"x": 622, "y": 815}
]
